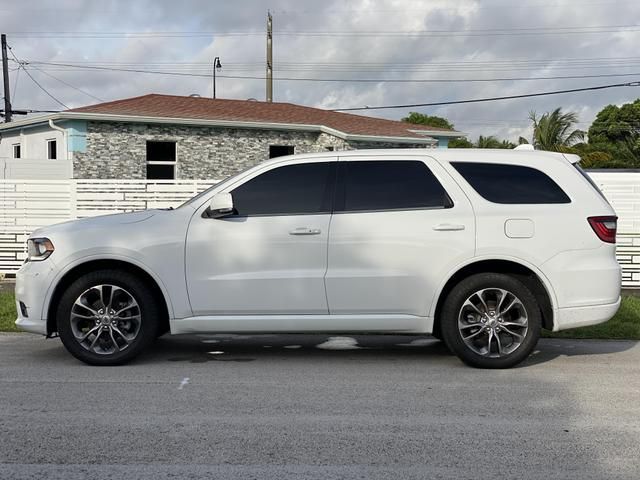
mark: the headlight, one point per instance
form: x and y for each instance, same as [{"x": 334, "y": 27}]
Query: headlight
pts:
[{"x": 38, "y": 249}]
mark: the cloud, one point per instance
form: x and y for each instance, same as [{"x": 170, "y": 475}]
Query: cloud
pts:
[{"x": 386, "y": 56}]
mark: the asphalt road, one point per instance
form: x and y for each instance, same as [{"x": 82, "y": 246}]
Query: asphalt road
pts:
[{"x": 369, "y": 407}]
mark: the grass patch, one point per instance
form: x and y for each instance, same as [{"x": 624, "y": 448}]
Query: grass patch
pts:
[
  {"x": 7, "y": 312},
  {"x": 625, "y": 325}
]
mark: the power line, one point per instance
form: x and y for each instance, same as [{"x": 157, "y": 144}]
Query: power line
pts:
[
  {"x": 68, "y": 84},
  {"x": 44, "y": 89},
  {"x": 281, "y": 62},
  {"x": 491, "y": 99},
  {"x": 500, "y": 6},
  {"x": 580, "y": 30},
  {"x": 35, "y": 81},
  {"x": 348, "y": 80},
  {"x": 15, "y": 84}
]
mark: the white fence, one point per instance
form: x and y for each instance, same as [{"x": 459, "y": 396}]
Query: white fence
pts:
[
  {"x": 28, "y": 204},
  {"x": 622, "y": 189},
  {"x": 35, "y": 168}
]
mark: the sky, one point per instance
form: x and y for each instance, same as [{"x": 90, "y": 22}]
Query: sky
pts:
[{"x": 72, "y": 47}]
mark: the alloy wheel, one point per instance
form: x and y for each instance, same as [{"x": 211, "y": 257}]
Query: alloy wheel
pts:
[
  {"x": 493, "y": 322},
  {"x": 105, "y": 319}
]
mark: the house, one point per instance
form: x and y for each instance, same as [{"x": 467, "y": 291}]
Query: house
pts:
[{"x": 173, "y": 137}]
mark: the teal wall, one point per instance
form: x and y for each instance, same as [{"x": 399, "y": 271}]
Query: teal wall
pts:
[
  {"x": 76, "y": 135},
  {"x": 443, "y": 142}
]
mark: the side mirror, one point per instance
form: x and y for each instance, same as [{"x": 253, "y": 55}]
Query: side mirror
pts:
[{"x": 221, "y": 205}]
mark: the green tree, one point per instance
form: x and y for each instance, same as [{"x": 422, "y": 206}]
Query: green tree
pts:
[
  {"x": 616, "y": 132},
  {"x": 554, "y": 129},
  {"x": 429, "y": 120},
  {"x": 460, "y": 143},
  {"x": 487, "y": 142},
  {"x": 617, "y": 124},
  {"x": 492, "y": 142}
]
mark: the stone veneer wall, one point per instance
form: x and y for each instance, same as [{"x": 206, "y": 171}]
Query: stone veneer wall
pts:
[{"x": 118, "y": 150}]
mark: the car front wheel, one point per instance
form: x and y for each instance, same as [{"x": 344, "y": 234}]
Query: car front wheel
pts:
[
  {"x": 491, "y": 320},
  {"x": 107, "y": 317}
]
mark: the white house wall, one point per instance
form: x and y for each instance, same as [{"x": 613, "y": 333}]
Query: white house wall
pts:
[{"x": 33, "y": 142}]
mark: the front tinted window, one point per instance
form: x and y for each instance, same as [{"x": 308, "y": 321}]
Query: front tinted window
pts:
[
  {"x": 292, "y": 189},
  {"x": 390, "y": 185},
  {"x": 511, "y": 184}
]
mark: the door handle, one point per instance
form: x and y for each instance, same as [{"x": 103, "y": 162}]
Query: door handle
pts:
[
  {"x": 448, "y": 227},
  {"x": 305, "y": 231}
]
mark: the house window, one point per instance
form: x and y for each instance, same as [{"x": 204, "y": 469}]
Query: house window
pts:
[
  {"x": 52, "y": 149},
  {"x": 161, "y": 160},
  {"x": 280, "y": 150},
  {"x": 17, "y": 150}
]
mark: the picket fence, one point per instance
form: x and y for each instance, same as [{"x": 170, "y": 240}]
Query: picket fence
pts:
[{"x": 28, "y": 204}]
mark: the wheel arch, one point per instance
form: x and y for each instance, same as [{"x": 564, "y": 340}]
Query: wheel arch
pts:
[
  {"x": 534, "y": 280},
  {"x": 89, "y": 265}
]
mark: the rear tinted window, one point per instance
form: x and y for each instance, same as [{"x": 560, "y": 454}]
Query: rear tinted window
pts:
[
  {"x": 511, "y": 184},
  {"x": 388, "y": 185}
]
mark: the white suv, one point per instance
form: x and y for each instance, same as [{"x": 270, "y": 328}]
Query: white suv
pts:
[{"x": 481, "y": 248}]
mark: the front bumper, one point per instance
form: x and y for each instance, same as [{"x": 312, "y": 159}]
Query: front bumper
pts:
[
  {"x": 32, "y": 284},
  {"x": 575, "y": 317}
]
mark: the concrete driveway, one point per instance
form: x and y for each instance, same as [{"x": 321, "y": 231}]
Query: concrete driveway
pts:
[{"x": 368, "y": 407}]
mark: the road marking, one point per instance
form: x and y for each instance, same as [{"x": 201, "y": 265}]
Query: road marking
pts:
[{"x": 184, "y": 382}]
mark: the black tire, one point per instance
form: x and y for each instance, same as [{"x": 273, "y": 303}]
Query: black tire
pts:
[
  {"x": 147, "y": 325},
  {"x": 452, "y": 310}
]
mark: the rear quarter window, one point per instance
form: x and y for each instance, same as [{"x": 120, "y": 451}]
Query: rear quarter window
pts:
[{"x": 511, "y": 184}]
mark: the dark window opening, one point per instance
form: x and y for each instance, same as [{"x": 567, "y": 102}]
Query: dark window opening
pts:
[
  {"x": 160, "y": 172},
  {"x": 161, "y": 160},
  {"x": 511, "y": 184},
  {"x": 388, "y": 185},
  {"x": 52, "y": 149},
  {"x": 329, "y": 149},
  {"x": 280, "y": 150},
  {"x": 161, "y": 151},
  {"x": 293, "y": 189},
  {"x": 17, "y": 151}
]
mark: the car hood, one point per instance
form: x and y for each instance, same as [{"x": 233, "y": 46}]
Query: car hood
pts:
[{"x": 102, "y": 221}]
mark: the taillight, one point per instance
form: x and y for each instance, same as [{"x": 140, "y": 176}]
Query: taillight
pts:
[{"x": 605, "y": 227}]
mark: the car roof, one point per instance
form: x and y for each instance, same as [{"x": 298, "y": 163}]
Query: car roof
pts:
[{"x": 480, "y": 155}]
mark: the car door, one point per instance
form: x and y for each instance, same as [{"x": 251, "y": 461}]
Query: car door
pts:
[
  {"x": 270, "y": 256},
  {"x": 399, "y": 226}
]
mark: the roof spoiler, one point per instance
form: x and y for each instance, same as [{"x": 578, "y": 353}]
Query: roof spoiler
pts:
[
  {"x": 525, "y": 146},
  {"x": 572, "y": 158}
]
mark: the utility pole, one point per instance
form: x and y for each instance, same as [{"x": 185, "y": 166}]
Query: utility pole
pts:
[
  {"x": 5, "y": 76},
  {"x": 269, "y": 57}
]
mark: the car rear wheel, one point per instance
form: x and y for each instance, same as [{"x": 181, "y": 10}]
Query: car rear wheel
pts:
[
  {"x": 491, "y": 320},
  {"x": 107, "y": 317}
]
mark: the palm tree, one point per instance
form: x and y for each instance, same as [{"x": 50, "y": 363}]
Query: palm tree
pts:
[
  {"x": 553, "y": 130},
  {"x": 487, "y": 142},
  {"x": 492, "y": 142}
]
